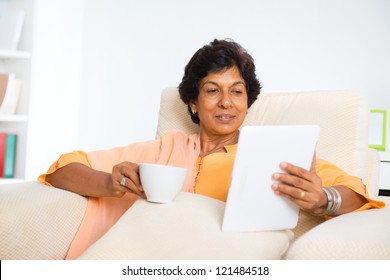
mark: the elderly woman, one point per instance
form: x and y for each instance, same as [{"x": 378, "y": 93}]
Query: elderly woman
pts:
[{"x": 219, "y": 85}]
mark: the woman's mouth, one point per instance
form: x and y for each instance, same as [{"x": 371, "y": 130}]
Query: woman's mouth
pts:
[{"x": 225, "y": 117}]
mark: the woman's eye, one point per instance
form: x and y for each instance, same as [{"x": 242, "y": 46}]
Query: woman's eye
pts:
[
  {"x": 212, "y": 91},
  {"x": 236, "y": 92}
]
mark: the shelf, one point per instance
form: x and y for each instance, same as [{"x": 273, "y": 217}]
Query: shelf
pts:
[
  {"x": 13, "y": 118},
  {"x": 4, "y": 181},
  {"x": 18, "y": 61},
  {"x": 384, "y": 156},
  {"x": 9, "y": 54}
]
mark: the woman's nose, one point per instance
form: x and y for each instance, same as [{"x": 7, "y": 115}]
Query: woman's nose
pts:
[{"x": 225, "y": 100}]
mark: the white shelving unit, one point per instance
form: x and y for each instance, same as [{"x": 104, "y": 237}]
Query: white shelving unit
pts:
[
  {"x": 18, "y": 62},
  {"x": 48, "y": 61},
  {"x": 13, "y": 118},
  {"x": 11, "y": 55},
  {"x": 384, "y": 179}
]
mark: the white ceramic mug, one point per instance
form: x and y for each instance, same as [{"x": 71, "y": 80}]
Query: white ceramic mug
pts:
[{"x": 161, "y": 183}]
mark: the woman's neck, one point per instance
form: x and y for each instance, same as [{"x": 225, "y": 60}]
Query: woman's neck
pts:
[{"x": 216, "y": 144}]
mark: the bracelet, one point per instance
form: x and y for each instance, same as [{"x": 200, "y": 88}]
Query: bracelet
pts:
[
  {"x": 337, "y": 200},
  {"x": 334, "y": 200},
  {"x": 330, "y": 200}
]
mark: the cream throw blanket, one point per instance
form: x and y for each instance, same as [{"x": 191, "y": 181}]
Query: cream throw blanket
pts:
[{"x": 173, "y": 148}]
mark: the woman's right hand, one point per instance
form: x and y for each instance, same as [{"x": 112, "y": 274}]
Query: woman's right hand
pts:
[
  {"x": 125, "y": 179},
  {"x": 83, "y": 180}
]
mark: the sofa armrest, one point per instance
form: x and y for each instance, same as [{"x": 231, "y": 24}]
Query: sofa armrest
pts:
[
  {"x": 37, "y": 222},
  {"x": 372, "y": 176},
  {"x": 359, "y": 235}
]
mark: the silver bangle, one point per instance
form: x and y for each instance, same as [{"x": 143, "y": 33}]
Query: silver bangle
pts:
[
  {"x": 334, "y": 200},
  {"x": 337, "y": 200},
  {"x": 330, "y": 201}
]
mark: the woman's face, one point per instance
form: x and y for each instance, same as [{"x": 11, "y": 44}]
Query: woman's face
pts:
[{"x": 222, "y": 103}]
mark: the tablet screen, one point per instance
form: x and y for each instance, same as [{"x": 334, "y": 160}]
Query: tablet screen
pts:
[{"x": 252, "y": 205}]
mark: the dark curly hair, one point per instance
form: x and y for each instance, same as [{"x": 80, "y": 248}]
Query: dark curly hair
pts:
[{"x": 218, "y": 55}]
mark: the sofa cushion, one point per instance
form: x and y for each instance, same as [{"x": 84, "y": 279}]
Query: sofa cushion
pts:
[
  {"x": 37, "y": 222},
  {"x": 188, "y": 228},
  {"x": 359, "y": 235}
]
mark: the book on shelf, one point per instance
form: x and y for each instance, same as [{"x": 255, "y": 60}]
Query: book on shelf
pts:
[
  {"x": 7, "y": 154},
  {"x": 10, "y": 88},
  {"x": 11, "y": 25},
  {"x": 3, "y": 85},
  {"x": 3, "y": 141}
]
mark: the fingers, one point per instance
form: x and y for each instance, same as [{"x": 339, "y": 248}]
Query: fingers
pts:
[
  {"x": 301, "y": 186},
  {"x": 125, "y": 177},
  {"x": 303, "y": 199},
  {"x": 291, "y": 192},
  {"x": 295, "y": 175}
]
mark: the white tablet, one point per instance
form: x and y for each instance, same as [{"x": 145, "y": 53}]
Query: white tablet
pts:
[{"x": 251, "y": 204}]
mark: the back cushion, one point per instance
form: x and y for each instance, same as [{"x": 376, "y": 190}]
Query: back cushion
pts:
[{"x": 342, "y": 116}]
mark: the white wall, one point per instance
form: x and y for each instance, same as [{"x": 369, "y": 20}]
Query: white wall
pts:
[
  {"x": 55, "y": 83},
  {"x": 133, "y": 49}
]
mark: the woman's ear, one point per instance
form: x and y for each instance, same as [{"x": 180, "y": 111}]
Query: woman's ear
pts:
[{"x": 193, "y": 108}]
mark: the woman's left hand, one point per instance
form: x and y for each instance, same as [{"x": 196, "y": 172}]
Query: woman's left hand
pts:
[{"x": 303, "y": 187}]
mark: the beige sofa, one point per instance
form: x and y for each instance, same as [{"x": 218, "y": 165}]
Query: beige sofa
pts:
[{"x": 38, "y": 222}]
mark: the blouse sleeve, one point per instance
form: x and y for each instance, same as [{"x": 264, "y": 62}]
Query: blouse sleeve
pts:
[
  {"x": 65, "y": 159},
  {"x": 332, "y": 175}
]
